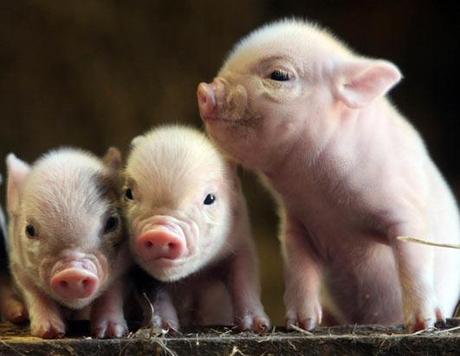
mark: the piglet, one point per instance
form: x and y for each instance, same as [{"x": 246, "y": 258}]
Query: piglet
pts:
[
  {"x": 67, "y": 242},
  {"x": 11, "y": 307},
  {"x": 189, "y": 228},
  {"x": 349, "y": 172}
]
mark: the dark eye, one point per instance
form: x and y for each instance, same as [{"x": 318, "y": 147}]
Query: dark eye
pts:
[
  {"x": 31, "y": 232},
  {"x": 111, "y": 224},
  {"x": 210, "y": 198},
  {"x": 129, "y": 194},
  {"x": 280, "y": 76}
]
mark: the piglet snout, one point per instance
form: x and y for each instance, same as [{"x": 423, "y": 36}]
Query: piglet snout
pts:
[
  {"x": 74, "y": 283},
  {"x": 206, "y": 96},
  {"x": 160, "y": 243}
]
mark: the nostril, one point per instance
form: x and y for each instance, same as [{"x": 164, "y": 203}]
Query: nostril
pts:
[
  {"x": 63, "y": 284},
  {"x": 74, "y": 283},
  {"x": 203, "y": 98}
]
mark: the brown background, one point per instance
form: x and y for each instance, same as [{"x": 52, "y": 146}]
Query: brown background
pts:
[{"x": 97, "y": 73}]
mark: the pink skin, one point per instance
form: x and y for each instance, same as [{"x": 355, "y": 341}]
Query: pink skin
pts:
[
  {"x": 11, "y": 305},
  {"x": 175, "y": 234},
  {"x": 350, "y": 175},
  {"x": 107, "y": 317},
  {"x": 73, "y": 256},
  {"x": 160, "y": 243}
]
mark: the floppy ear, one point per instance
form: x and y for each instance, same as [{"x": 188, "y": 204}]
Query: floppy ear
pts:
[
  {"x": 112, "y": 158},
  {"x": 18, "y": 171},
  {"x": 360, "y": 81}
]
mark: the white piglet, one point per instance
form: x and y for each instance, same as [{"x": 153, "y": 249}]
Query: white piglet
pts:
[
  {"x": 67, "y": 244},
  {"x": 350, "y": 173},
  {"x": 189, "y": 227}
]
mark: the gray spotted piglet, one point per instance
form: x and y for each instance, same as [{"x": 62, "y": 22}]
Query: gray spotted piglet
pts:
[
  {"x": 350, "y": 174},
  {"x": 189, "y": 227},
  {"x": 67, "y": 243}
]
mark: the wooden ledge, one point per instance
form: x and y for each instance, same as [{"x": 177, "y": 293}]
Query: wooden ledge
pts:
[{"x": 340, "y": 340}]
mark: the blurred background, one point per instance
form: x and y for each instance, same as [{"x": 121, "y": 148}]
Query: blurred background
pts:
[{"x": 97, "y": 73}]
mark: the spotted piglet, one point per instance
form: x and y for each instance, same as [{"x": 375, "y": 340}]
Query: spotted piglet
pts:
[{"x": 67, "y": 242}]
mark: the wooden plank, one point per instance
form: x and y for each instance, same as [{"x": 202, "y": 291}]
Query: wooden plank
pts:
[{"x": 342, "y": 340}]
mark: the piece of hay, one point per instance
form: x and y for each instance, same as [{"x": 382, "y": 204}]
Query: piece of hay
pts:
[{"x": 429, "y": 243}]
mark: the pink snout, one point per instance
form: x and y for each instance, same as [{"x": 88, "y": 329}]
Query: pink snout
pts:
[
  {"x": 160, "y": 243},
  {"x": 74, "y": 283},
  {"x": 206, "y": 96}
]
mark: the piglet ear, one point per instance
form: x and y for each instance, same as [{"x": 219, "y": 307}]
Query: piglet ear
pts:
[
  {"x": 136, "y": 140},
  {"x": 112, "y": 158},
  {"x": 17, "y": 173},
  {"x": 358, "y": 82}
]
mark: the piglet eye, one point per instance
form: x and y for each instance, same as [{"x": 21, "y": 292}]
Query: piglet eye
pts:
[
  {"x": 111, "y": 224},
  {"x": 210, "y": 199},
  {"x": 129, "y": 194},
  {"x": 31, "y": 232},
  {"x": 280, "y": 76}
]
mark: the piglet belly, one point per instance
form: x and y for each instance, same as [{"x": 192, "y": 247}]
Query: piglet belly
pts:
[{"x": 362, "y": 286}]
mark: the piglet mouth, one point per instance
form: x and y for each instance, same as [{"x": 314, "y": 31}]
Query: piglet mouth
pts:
[{"x": 221, "y": 101}]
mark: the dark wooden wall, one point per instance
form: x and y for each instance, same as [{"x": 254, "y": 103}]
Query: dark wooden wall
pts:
[{"x": 97, "y": 73}]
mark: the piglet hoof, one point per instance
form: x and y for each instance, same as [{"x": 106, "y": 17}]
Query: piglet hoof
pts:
[
  {"x": 257, "y": 323},
  {"x": 48, "y": 327},
  {"x": 168, "y": 324},
  {"x": 15, "y": 311},
  {"x": 307, "y": 318},
  {"x": 110, "y": 329},
  {"x": 423, "y": 320},
  {"x": 303, "y": 320}
]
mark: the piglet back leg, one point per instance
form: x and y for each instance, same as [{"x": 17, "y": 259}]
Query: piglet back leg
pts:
[
  {"x": 415, "y": 265},
  {"x": 11, "y": 306}
]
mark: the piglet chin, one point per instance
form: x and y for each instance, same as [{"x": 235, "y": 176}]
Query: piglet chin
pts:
[{"x": 166, "y": 270}]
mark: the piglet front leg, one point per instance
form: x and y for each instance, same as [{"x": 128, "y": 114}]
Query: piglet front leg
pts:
[
  {"x": 244, "y": 288},
  {"x": 164, "y": 312},
  {"x": 302, "y": 275},
  {"x": 107, "y": 316},
  {"x": 46, "y": 320}
]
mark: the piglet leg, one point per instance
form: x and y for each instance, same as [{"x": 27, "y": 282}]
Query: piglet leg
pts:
[
  {"x": 164, "y": 312},
  {"x": 302, "y": 276},
  {"x": 45, "y": 316},
  {"x": 107, "y": 316},
  {"x": 11, "y": 305},
  {"x": 244, "y": 289},
  {"x": 416, "y": 274}
]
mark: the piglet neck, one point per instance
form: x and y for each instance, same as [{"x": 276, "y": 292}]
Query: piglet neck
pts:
[{"x": 335, "y": 152}]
